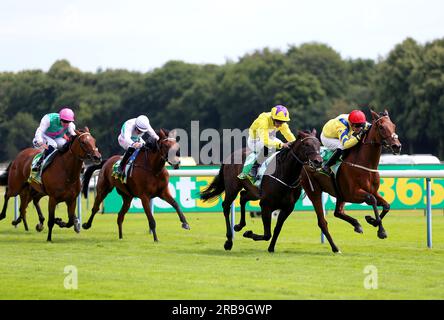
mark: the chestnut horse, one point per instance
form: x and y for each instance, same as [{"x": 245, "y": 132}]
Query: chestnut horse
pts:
[
  {"x": 280, "y": 187},
  {"x": 149, "y": 179},
  {"x": 357, "y": 178},
  {"x": 60, "y": 181}
]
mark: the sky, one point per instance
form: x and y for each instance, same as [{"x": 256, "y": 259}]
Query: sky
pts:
[{"x": 141, "y": 35}]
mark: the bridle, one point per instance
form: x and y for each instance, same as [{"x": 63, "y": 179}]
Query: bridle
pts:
[
  {"x": 163, "y": 156},
  {"x": 89, "y": 155},
  {"x": 383, "y": 141},
  {"x": 308, "y": 162}
]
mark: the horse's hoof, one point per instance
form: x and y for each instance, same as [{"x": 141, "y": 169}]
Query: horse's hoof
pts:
[
  {"x": 358, "y": 229},
  {"x": 2, "y": 216},
  {"x": 248, "y": 234},
  {"x": 382, "y": 234},
  {"x": 270, "y": 249},
  {"x": 238, "y": 227},
  {"x": 186, "y": 226},
  {"x": 228, "y": 245},
  {"x": 371, "y": 220},
  {"x": 39, "y": 227},
  {"x": 86, "y": 226},
  {"x": 15, "y": 222},
  {"x": 338, "y": 252}
]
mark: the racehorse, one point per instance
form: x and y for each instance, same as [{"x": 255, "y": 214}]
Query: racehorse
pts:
[
  {"x": 149, "y": 179},
  {"x": 60, "y": 181},
  {"x": 357, "y": 179},
  {"x": 279, "y": 190}
]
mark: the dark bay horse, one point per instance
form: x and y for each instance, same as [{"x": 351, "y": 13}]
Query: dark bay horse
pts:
[
  {"x": 280, "y": 187},
  {"x": 149, "y": 179},
  {"x": 357, "y": 178},
  {"x": 60, "y": 181}
]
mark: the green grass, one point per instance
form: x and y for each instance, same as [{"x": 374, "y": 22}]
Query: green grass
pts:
[{"x": 193, "y": 264}]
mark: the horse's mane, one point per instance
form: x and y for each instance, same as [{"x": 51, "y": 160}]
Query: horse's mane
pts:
[
  {"x": 71, "y": 140},
  {"x": 282, "y": 155},
  {"x": 150, "y": 144}
]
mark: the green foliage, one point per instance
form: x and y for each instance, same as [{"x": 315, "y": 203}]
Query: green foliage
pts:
[
  {"x": 17, "y": 132},
  {"x": 410, "y": 83},
  {"x": 312, "y": 80}
]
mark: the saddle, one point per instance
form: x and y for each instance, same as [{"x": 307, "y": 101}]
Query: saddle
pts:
[{"x": 263, "y": 167}]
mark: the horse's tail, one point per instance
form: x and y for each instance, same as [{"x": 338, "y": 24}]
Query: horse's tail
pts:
[
  {"x": 4, "y": 176},
  {"x": 87, "y": 176},
  {"x": 216, "y": 187}
]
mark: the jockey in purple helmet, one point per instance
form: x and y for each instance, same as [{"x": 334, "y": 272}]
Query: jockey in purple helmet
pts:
[{"x": 53, "y": 132}]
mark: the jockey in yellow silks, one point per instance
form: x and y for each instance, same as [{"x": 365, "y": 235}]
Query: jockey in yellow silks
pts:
[
  {"x": 262, "y": 133},
  {"x": 343, "y": 132}
]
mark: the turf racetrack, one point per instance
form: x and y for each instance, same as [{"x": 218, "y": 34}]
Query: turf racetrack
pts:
[{"x": 193, "y": 264}]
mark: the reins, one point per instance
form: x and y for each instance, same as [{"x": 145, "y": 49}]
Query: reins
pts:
[{"x": 297, "y": 183}]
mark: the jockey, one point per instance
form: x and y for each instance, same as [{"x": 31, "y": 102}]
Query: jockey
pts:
[
  {"x": 130, "y": 137},
  {"x": 262, "y": 133},
  {"x": 343, "y": 132},
  {"x": 53, "y": 132}
]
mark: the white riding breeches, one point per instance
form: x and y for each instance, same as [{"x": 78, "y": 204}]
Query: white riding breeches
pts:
[{"x": 331, "y": 143}]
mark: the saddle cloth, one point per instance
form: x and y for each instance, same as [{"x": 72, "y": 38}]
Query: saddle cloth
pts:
[
  {"x": 36, "y": 176},
  {"x": 127, "y": 169},
  {"x": 326, "y": 154},
  {"x": 263, "y": 168}
]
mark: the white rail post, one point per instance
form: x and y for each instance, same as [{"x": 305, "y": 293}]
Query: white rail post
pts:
[{"x": 429, "y": 212}]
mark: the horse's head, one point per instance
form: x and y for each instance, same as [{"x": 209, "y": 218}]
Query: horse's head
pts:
[
  {"x": 168, "y": 147},
  {"x": 385, "y": 130},
  {"x": 307, "y": 148},
  {"x": 86, "y": 149}
]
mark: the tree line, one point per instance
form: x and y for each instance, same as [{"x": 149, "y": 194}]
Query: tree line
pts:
[{"x": 312, "y": 80}]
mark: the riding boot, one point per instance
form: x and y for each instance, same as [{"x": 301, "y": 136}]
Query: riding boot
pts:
[
  {"x": 248, "y": 165},
  {"x": 334, "y": 157},
  {"x": 39, "y": 163},
  {"x": 125, "y": 158}
]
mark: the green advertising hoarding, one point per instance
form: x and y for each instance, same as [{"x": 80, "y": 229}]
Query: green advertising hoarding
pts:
[{"x": 401, "y": 193}]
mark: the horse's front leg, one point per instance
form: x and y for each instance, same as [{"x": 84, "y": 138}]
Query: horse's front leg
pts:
[
  {"x": 151, "y": 222},
  {"x": 370, "y": 199},
  {"x": 51, "y": 214},
  {"x": 165, "y": 195},
  {"x": 72, "y": 218}
]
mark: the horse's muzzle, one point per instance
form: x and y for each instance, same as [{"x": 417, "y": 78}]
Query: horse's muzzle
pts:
[
  {"x": 396, "y": 148},
  {"x": 315, "y": 163},
  {"x": 96, "y": 159}
]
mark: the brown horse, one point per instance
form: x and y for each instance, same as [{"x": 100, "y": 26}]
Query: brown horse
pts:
[
  {"x": 60, "y": 181},
  {"x": 280, "y": 187},
  {"x": 149, "y": 179},
  {"x": 357, "y": 179}
]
